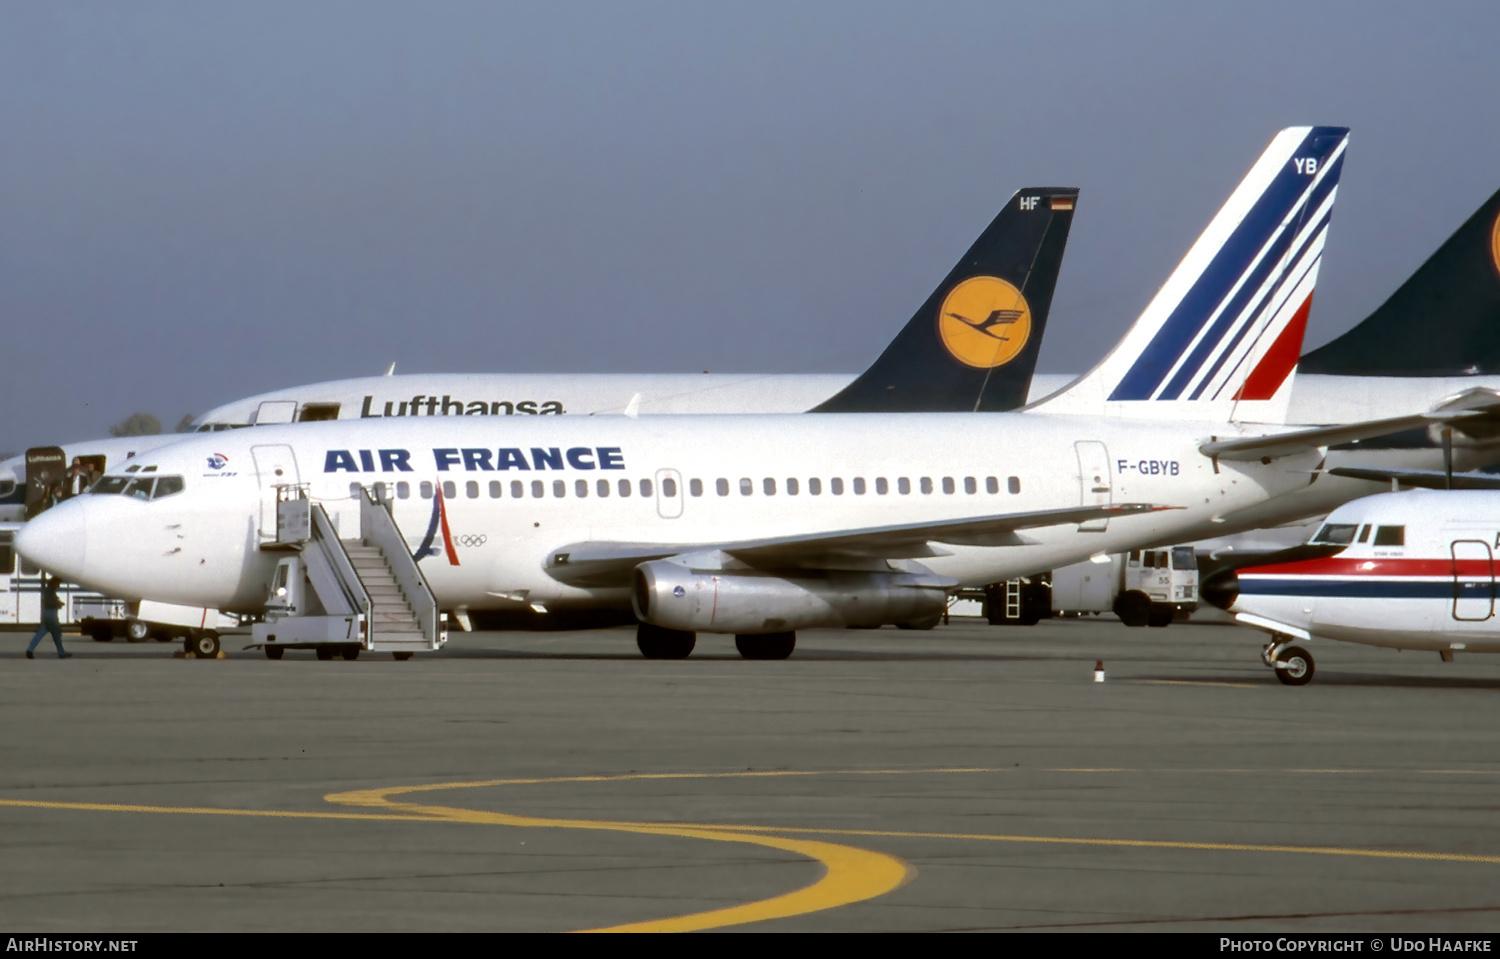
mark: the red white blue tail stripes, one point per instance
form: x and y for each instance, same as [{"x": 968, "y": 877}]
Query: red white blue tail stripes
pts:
[{"x": 1222, "y": 336}]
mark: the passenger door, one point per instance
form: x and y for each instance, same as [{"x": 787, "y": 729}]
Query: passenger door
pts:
[
  {"x": 1473, "y": 580},
  {"x": 275, "y": 466},
  {"x": 271, "y": 412},
  {"x": 1094, "y": 482}
]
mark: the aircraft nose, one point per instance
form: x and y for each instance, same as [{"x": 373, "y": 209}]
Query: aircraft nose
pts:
[
  {"x": 57, "y": 540},
  {"x": 1221, "y": 587}
]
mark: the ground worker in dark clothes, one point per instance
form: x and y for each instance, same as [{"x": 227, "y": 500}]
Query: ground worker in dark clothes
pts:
[{"x": 50, "y": 605}]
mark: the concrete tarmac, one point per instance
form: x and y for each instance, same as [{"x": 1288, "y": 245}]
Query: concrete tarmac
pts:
[{"x": 966, "y": 778}]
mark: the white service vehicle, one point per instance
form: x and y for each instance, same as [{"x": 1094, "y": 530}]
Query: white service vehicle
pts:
[
  {"x": 21, "y": 596},
  {"x": 1144, "y": 587}
]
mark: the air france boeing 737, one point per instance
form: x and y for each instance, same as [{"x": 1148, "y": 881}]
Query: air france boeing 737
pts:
[{"x": 761, "y": 525}]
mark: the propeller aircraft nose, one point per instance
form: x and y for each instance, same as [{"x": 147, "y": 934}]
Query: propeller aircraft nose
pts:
[{"x": 1221, "y": 587}]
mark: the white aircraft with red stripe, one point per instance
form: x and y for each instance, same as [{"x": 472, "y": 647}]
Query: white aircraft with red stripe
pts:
[{"x": 1405, "y": 570}]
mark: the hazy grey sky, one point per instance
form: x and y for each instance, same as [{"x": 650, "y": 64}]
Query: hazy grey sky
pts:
[{"x": 203, "y": 201}]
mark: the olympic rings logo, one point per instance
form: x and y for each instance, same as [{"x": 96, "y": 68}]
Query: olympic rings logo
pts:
[{"x": 471, "y": 539}]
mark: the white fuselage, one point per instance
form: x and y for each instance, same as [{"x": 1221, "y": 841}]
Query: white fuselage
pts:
[
  {"x": 201, "y": 546},
  {"x": 1432, "y": 590},
  {"x": 1315, "y": 401}
]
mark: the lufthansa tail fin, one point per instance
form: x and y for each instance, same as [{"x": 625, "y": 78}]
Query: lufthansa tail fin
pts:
[
  {"x": 1220, "y": 339},
  {"x": 1452, "y": 303},
  {"x": 973, "y": 345}
]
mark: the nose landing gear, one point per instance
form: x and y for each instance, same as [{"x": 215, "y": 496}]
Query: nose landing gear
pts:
[{"x": 1293, "y": 664}]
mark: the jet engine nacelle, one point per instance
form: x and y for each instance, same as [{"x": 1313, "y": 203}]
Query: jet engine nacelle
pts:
[{"x": 747, "y": 602}]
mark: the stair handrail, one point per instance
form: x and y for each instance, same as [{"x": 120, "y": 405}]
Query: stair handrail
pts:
[
  {"x": 331, "y": 547},
  {"x": 378, "y": 528}
]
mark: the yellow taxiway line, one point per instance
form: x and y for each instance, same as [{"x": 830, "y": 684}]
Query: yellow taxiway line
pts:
[{"x": 850, "y": 874}]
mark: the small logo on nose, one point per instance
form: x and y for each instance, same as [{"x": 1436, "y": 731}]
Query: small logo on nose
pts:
[{"x": 218, "y": 461}]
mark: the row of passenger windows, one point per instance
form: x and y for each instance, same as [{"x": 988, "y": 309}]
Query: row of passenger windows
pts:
[{"x": 537, "y": 489}]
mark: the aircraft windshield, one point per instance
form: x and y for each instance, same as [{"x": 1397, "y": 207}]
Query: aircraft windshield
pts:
[
  {"x": 139, "y": 487},
  {"x": 1335, "y": 534}
]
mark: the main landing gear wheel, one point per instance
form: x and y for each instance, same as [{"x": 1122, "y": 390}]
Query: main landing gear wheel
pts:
[
  {"x": 204, "y": 645},
  {"x": 766, "y": 645},
  {"x": 1160, "y": 615},
  {"x": 137, "y": 631},
  {"x": 275, "y": 652},
  {"x": 658, "y": 642},
  {"x": 1294, "y": 666},
  {"x": 1133, "y": 608}
]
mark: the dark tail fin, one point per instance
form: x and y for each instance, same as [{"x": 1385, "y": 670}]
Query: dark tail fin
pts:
[
  {"x": 973, "y": 344},
  {"x": 1443, "y": 321}
]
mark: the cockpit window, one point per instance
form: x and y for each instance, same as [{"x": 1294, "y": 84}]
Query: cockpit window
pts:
[
  {"x": 1336, "y": 534},
  {"x": 1390, "y": 536},
  {"x": 138, "y": 487}
]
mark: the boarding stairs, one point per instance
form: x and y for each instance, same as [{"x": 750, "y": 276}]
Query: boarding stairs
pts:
[{"x": 360, "y": 593}]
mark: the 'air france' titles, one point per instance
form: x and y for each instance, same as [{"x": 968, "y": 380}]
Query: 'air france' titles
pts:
[{"x": 478, "y": 459}]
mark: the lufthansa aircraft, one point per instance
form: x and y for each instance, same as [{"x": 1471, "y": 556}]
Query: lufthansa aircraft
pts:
[
  {"x": 761, "y": 525},
  {"x": 1410, "y": 570}
]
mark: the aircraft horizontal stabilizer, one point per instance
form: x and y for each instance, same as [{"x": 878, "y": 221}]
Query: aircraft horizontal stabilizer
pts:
[
  {"x": 1276, "y": 445},
  {"x": 610, "y": 564},
  {"x": 1424, "y": 479}
]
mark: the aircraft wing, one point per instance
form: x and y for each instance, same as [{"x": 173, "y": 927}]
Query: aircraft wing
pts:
[
  {"x": 1305, "y": 441},
  {"x": 1426, "y": 479},
  {"x": 609, "y": 564}
]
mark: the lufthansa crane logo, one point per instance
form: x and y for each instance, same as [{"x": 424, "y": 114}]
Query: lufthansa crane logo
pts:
[{"x": 984, "y": 322}]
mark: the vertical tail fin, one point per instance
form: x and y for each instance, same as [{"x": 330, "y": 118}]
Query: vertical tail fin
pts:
[
  {"x": 1453, "y": 300},
  {"x": 1220, "y": 339},
  {"x": 973, "y": 345}
]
